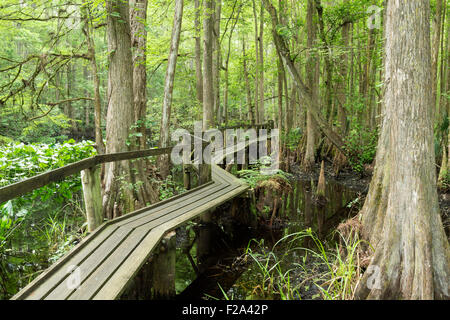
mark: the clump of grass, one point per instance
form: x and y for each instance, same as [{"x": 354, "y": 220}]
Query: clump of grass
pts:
[
  {"x": 276, "y": 278},
  {"x": 344, "y": 268},
  {"x": 335, "y": 271}
]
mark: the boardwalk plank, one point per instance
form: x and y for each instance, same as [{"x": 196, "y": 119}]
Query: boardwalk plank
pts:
[
  {"x": 121, "y": 253},
  {"x": 96, "y": 258},
  {"x": 118, "y": 281},
  {"x": 111, "y": 257}
]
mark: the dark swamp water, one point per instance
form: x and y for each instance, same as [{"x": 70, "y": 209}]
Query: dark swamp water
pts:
[{"x": 223, "y": 270}]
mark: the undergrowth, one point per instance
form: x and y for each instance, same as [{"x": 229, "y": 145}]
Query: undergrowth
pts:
[{"x": 300, "y": 262}]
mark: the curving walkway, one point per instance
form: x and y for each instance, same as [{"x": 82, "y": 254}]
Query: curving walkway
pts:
[{"x": 111, "y": 256}]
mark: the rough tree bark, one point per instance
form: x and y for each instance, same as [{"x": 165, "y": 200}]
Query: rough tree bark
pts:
[
  {"x": 145, "y": 192},
  {"x": 138, "y": 17},
  {"x": 168, "y": 87},
  {"x": 401, "y": 214},
  {"x": 117, "y": 198}
]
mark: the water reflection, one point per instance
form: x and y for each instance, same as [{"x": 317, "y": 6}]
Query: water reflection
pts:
[{"x": 225, "y": 267}]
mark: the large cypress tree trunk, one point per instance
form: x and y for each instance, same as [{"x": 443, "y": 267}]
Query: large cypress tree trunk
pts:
[
  {"x": 138, "y": 17},
  {"x": 120, "y": 114},
  {"x": 145, "y": 193},
  {"x": 168, "y": 87},
  {"x": 401, "y": 214}
]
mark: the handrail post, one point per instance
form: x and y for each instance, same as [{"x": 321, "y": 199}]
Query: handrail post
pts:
[
  {"x": 90, "y": 180},
  {"x": 270, "y": 127},
  {"x": 205, "y": 174},
  {"x": 186, "y": 176},
  {"x": 164, "y": 268}
]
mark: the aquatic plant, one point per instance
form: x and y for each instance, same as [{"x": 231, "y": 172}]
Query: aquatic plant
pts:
[{"x": 341, "y": 264}]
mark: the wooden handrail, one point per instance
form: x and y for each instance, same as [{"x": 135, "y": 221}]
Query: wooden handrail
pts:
[
  {"x": 20, "y": 188},
  {"x": 247, "y": 125}
]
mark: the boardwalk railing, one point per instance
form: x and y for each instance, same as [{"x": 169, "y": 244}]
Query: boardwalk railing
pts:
[{"x": 103, "y": 264}]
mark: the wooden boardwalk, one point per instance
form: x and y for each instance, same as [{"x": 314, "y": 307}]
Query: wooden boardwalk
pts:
[
  {"x": 103, "y": 264},
  {"x": 113, "y": 254}
]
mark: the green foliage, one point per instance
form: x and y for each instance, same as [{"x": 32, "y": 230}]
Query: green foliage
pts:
[
  {"x": 344, "y": 271},
  {"x": 274, "y": 278},
  {"x": 360, "y": 146},
  {"x": 6, "y": 222},
  {"x": 19, "y": 161},
  {"x": 334, "y": 271},
  {"x": 253, "y": 176},
  {"x": 169, "y": 188},
  {"x": 293, "y": 138},
  {"x": 444, "y": 181},
  {"x": 41, "y": 226}
]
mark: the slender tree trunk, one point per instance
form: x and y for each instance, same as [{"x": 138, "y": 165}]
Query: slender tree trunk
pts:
[
  {"x": 251, "y": 109},
  {"x": 342, "y": 84},
  {"x": 447, "y": 90},
  {"x": 304, "y": 92},
  {"x": 198, "y": 53},
  {"x": 312, "y": 82},
  {"x": 217, "y": 61},
  {"x": 401, "y": 213},
  {"x": 87, "y": 104},
  {"x": 68, "y": 109},
  {"x": 280, "y": 93},
  {"x": 168, "y": 87},
  {"x": 435, "y": 55},
  {"x": 227, "y": 62},
  {"x": 255, "y": 16},
  {"x": 88, "y": 32},
  {"x": 445, "y": 105},
  {"x": 351, "y": 88},
  {"x": 208, "y": 88},
  {"x": 261, "y": 66}
]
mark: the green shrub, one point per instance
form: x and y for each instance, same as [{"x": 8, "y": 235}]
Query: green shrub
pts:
[
  {"x": 40, "y": 226},
  {"x": 360, "y": 145},
  {"x": 19, "y": 161},
  {"x": 252, "y": 177}
]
